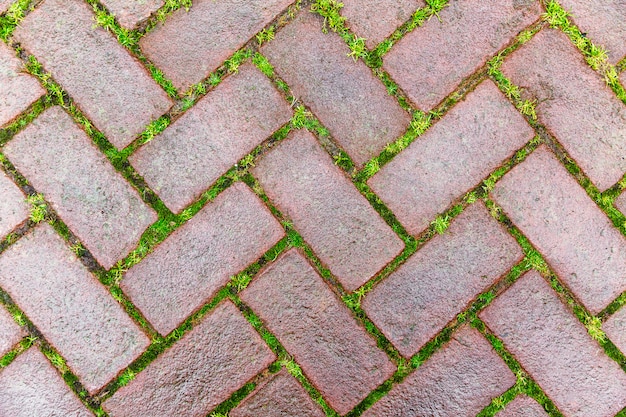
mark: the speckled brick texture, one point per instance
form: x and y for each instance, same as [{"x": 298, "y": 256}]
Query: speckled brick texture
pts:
[
  {"x": 130, "y": 12},
  {"x": 523, "y": 406},
  {"x": 10, "y": 332},
  {"x": 13, "y": 206}
]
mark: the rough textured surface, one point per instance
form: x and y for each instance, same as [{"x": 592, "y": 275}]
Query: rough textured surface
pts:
[
  {"x": 451, "y": 158},
  {"x": 94, "y": 200},
  {"x": 317, "y": 329},
  {"x": 416, "y": 301},
  {"x": 13, "y": 206},
  {"x": 343, "y": 229},
  {"x": 131, "y": 12},
  {"x": 10, "y": 332},
  {"x": 457, "y": 381},
  {"x": 203, "y": 369},
  {"x": 113, "y": 90},
  {"x": 30, "y": 386},
  {"x": 615, "y": 329},
  {"x": 574, "y": 103},
  {"x": 188, "y": 268},
  {"x": 559, "y": 354},
  {"x": 17, "y": 90},
  {"x": 191, "y": 44},
  {"x": 281, "y": 396},
  {"x": 4, "y": 5},
  {"x": 206, "y": 141},
  {"x": 523, "y": 406},
  {"x": 344, "y": 94},
  {"x": 576, "y": 238},
  {"x": 74, "y": 312},
  {"x": 620, "y": 202},
  {"x": 431, "y": 61}
]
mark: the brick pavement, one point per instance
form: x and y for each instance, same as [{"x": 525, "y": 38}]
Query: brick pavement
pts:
[{"x": 302, "y": 208}]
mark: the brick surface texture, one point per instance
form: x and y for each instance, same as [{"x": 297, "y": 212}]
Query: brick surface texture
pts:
[
  {"x": 523, "y": 406},
  {"x": 615, "y": 329},
  {"x": 10, "y": 332},
  {"x": 130, "y": 12},
  {"x": 13, "y": 206}
]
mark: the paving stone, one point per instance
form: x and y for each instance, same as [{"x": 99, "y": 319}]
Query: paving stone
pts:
[
  {"x": 345, "y": 232},
  {"x": 281, "y": 396},
  {"x": 556, "y": 350},
  {"x": 112, "y": 88},
  {"x": 30, "y": 386},
  {"x": 377, "y": 20},
  {"x": 523, "y": 406},
  {"x": 345, "y": 95},
  {"x": 91, "y": 197},
  {"x": 314, "y": 326},
  {"x": 17, "y": 89},
  {"x": 4, "y": 5},
  {"x": 574, "y": 103},
  {"x": 73, "y": 311},
  {"x": 13, "y": 206},
  {"x": 130, "y": 12},
  {"x": 417, "y": 300},
  {"x": 620, "y": 202},
  {"x": 205, "y": 142},
  {"x": 191, "y": 44},
  {"x": 10, "y": 332},
  {"x": 457, "y": 381},
  {"x": 431, "y": 61},
  {"x": 615, "y": 329},
  {"x": 212, "y": 361},
  {"x": 187, "y": 269},
  {"x": 558, "y": 217},
  {"x": 452, "y": 157}
]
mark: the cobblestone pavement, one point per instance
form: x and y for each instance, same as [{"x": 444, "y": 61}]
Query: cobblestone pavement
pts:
[{"x": 255, "y": 208}]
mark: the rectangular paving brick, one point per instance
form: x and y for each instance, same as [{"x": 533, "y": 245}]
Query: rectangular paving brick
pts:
[
  {"x": 574, "y": 103},
  {"x": 13, "y": 207},
  {"x": 576, "y": 238},
  {"x": 418, "y": 299},
  {"x": 523, "y": 406},
  {"x": 130, "y": 12},
  {"x": 73, "y": 311},
  {"x": 457, "y": 381},
  {"x": 10, "y": 332},
  {"x": 344, "y": 230},
  {"x": 205, "y": 142},
  {"x": 189, "y": 267},
  {"x": 615, "y": 329},
  {"x": 4, "y": 5},
  {"x": 431, "y": 61},
  {"x": 30, "y": 386},
  {"x": 212, "y": 361},
  {"x": 112, "y": 88},
  {"x": 556, "y": 350},
  {"x": 348, "y": 99},
  {"x": 189, "y": 45},
  {"x": 95, "y": 201},
  {"x": 452, "y": 157},
  {"x": 337, "y": 355},
  {"x": 17, "y": 89}
]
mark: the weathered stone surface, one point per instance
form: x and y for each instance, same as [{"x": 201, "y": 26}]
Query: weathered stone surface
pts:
[
  {"x": 131, "y": 12},
  {"x": 457, "y": 381},
  {"x": 95, "y": 201},
  {"x": 188, "y": 268},
  {"x": 344, "y": 230},
  {"x": 556, "y": 350},
  {"x": 620, "y": 202},
  {"x": 4, "y": 5},
  {"x": 335, "y": 353},
  {"x": 576, "y": 238},
  {"x": 113, "y": 89},
  {"x": 205, "y": 142},
  {"x": 417, "y": 300},
  {"x": 216, "y": 358},
  {"x": 75, "y": 313},
  {"x": 13, "y": 206},
  {"x": 523, "y": 406},
  {"x": 615, "y": 329},
  {"x": 10, "y": 332},
  {"x": 345, "y": 95}
]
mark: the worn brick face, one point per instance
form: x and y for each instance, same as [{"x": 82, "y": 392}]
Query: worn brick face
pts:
[
  {"x": 13, "y": 207},
  {"x": 10, "y": 332},
  {"x": 523, "y": 406},
  {"x": 130, "y": 12},
  {"x": 615, "y": 329}
]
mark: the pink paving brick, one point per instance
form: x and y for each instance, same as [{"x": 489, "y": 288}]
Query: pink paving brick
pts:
[
  {"x": 457, "y": 381},
  {"x": 68, "y": 305},
  {"x": 191, "y": 44},
  {"x": 281, "y": 396},
  {"x": 314, "y": 326},
  {"x": 523, "y": 406},
  {"x": 30, "y": 386},
  {"x": 620, "y": 202},
  {"x": 431, "y": 61},
  {"x": 574, "y": 103},
  {"x": 377, "y": 20},
  {"x": 13, "y": 207},
  {"x": 95, "y": 201},
  {"x": 4, "y": 5},
  {"x": 576, "y": 238},
  {"x": 130, "y": 12},
  {"x": 603, "y": 21},
  {"x": 345, "y": 95},
  {"x": 210, "y": 138},
  {"x": 615, "y": 329},
  {"x": 113, "y": 89},
  {"x": 187, "y": 269},
  {"x": 340, "y": 225},
  {"x": 10, "y": 332},
  {"x": 417, "y": 300},
  {"x": 17, "y": 89},
  {"x": 200, "y": 371},
  {"x": 556, "y": 350},
  {"x": 452, "y": 157}
]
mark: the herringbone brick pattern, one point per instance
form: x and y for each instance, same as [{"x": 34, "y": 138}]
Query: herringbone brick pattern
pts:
[{"x": 305, "y": 208}]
